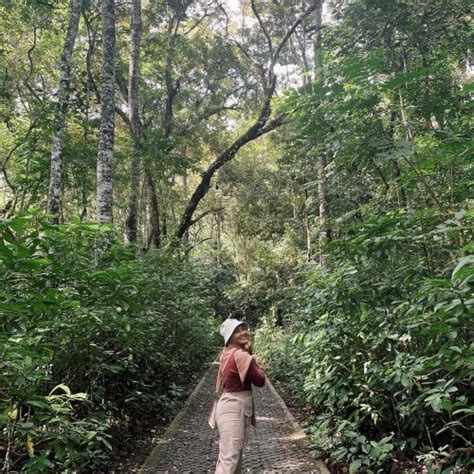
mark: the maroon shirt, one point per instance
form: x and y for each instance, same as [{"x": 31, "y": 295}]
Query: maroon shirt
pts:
[{"x": 232, "y": 383}]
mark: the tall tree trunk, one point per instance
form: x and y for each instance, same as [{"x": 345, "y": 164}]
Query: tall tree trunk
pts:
[
  {"x": 185, "y": 187},
  {"x": 107, "y": 115},
  {"x": 324, "y": 230},
  {"x": 321, "y": 159},
  {"x": 153, "y": 211},
  {"x": 172, "y": 87},
  {"x": 135, "y": 121},
  {"x": 318, "y": 23},
  {"x": 153, "y": 224},
  {"x": 54, "y": 198},
  {"x": 307, "y": 226}
]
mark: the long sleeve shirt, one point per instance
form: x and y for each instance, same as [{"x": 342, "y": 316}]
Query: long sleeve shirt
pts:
[{"x": 232, "y": 383}]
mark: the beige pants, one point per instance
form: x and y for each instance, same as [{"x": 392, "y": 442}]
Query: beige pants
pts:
[{"x": 233, "y": 416}]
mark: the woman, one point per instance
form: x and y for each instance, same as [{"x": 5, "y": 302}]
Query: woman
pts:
[{"x": 235, "y": 410}]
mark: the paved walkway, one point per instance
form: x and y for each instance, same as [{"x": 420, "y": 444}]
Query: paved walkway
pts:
[{"x": 189, "y": 445}]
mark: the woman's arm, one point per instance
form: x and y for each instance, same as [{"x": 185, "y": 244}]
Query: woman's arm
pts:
[{"x": 256, "y": 375}]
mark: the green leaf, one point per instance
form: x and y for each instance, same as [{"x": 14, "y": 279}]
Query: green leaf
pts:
[
  {"x": 62, "y": 387},
  {"x": 354, "y": 466}
]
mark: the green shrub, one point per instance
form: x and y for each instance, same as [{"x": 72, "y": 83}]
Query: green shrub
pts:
[
  {"x": 85, "y": 340},
  {"x": 382, "y": 351}
]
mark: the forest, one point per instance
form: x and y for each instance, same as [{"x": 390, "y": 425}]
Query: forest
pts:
[{"x": 305, "y": 164}]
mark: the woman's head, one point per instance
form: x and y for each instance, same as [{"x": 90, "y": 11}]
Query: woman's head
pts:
[
  {"x": 234, "y": 332},
  {"x": 240, "y": 336}
]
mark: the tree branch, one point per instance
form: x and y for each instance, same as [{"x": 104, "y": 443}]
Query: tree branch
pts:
[
  {"x": 198, "y": 22},
  {"x": 30, "y": 50},
  {"x": 204, "y": 214},
  {"x": 122, "y": 84},
  {"x": 10, "y": 154},
  {"x": 289, "y": 32},
  {"x": 123, "y": 115},
  {"x": 264, "y": 29},
  {"x": 273, "y": 124},
  {"x": 199, "y": 242},
  {"x": 205, "y": 115},
  {"x": 246, "y": 53},
  {"x": 253, "y": 132}
]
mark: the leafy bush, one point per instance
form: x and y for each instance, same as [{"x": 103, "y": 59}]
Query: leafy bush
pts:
[
  {"x": 384, "y": 351},
  {"x": 86, "y": 339}
]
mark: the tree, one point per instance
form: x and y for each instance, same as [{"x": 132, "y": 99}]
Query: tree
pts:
[
  {"x": 321, "y": 161},
  {"x": 135, "y": 120},
  {"x": 261, "y": 126},
  {"x": 54, "y": 200},
  {"x": 107, "y": 116}
]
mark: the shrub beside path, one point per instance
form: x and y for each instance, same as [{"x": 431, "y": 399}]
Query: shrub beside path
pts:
[{"x": 277, "y": 445}]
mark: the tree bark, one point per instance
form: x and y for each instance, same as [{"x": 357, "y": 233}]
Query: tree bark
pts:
[
  {"x": 54, "y": 198},
  {"x": 185, "y": 188},
  {"x": 135, "y": 121},
  {"x": 172, "y": 87},
  {"x": 107, "y": 116}
]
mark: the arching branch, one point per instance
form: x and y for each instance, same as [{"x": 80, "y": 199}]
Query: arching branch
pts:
[{"x": 261, "y": 126}]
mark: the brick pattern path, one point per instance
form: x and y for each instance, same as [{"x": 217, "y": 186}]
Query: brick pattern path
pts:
[{"x": 189, "y": 445}]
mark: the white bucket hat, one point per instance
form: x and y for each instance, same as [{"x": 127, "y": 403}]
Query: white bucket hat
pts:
[{"x": 228, "y": 328}]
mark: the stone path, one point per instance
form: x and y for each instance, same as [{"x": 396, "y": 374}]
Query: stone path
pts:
[{"x": 189, "y": 444}]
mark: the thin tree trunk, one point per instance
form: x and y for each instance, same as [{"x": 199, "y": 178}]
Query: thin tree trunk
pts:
[
  {"x": 321, "y": 159},
  {"x": 172, "y": 87},
  {"x": 134, "y": 115},
  {"x": 84, "y": 201},
  {"x": 153, "y": 225},
  {"x": 84, "y": 168},
  {"x": 318, "y": 22},
  {"x": 323, "y": 209},
  {"x": 185, "y": 188},
  {"x": 153, "y": 212},
  {"x": 307, "y": 225},
  {"x": 165, "y": 225},
  {"x": 54, "y": 198},
  {"x": 107, "y": 116}
]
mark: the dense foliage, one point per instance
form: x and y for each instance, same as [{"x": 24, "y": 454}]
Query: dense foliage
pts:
[
  {"x": 380, "y": 351},
  {"x": 84, "y": 342}
]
